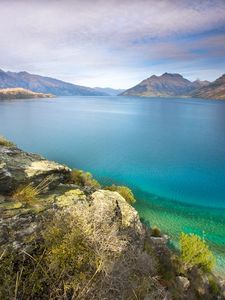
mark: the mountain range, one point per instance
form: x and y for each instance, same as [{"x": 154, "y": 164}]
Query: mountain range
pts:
[
  {"x": 42, "y": 84},
  {"x": 166, "y": 85},
  {"x": 175, "y": 85}
]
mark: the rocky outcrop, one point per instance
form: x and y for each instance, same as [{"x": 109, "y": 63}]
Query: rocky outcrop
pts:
[
  {"x": 129, "y": 263},
  {"x": 18, "y": 167}
]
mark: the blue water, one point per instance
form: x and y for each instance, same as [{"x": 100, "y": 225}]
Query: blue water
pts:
[{"x": 171, "y": 152}]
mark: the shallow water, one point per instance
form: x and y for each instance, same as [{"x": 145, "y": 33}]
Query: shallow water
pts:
[{"x": 170, "y": 151}]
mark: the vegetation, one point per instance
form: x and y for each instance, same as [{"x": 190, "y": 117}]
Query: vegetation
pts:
[
  {"x": 82, "y": 178},
  {"x": 155, "y": 231},
  {"x": 124, "y": 191},
  {"x": 5, "y": 142},
  {"x": 77, "y": 253},
  {"x": 195, "y": 252},
  {"x": 20, "y": 93},
  {"x": 28, "y": 194}
]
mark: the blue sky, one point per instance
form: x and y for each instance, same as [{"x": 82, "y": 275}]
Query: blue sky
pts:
[{"x": 113, "y": 43}]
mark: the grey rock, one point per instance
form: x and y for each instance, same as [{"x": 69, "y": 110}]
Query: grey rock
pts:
[
  {"x": 183, "y": 282},
  {"x": 18, "y": 167}
]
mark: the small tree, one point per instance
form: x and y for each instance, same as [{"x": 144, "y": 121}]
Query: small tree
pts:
[
  {"x": 195, "y": 252},
  {"x": 124, "y": 191}
]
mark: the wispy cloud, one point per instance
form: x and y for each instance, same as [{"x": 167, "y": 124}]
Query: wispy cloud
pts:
[{"x": 114, "y": 43}]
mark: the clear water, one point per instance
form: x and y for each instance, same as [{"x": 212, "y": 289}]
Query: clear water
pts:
[{"x": 170, "y": 151}]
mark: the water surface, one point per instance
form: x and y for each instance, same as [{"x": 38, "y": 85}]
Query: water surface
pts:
[{"x": 170, "y": 151}]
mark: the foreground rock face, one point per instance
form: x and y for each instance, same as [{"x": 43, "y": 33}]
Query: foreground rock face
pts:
[
  {"x": 134, "y": 264},
  {"x": 18, "y": 167}
]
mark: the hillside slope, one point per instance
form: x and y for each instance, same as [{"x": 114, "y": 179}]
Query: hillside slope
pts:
[
  {"x": 214, "y": 90},
  {"x": 42, "y": 84},
  {"x": 20, "y": 93}
]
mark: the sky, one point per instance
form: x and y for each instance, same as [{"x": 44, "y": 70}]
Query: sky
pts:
[{"x": 113, "y": 43}]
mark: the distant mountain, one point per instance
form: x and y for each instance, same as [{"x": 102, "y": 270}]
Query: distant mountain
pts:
[
  {"x": 110, "y": 91},
  {"x": 41, "y": 84},
  {"x": 214, "y": 90},
  {"x": 166, "y": 85},
  {"x": 160, "y": 86},
  {"x": 199, "y": 83},
  {"x": 20, "y": 93}
]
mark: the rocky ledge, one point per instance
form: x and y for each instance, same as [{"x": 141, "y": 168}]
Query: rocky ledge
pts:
[{"x": 79, "y": 241}]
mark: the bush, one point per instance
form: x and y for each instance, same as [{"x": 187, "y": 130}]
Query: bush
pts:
[
  {"x": 195, "y": 252},
  {"x": 155, "y": 231},
  {"x": 124, "y": 191},
  {"x": 82, "y": 178},
  {"x": 5, "y": 142}
]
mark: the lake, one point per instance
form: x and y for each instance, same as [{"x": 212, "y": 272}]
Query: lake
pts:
[{"x": 171, "y": 152}]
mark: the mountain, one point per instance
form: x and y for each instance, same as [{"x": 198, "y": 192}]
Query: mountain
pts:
[
  {"x": 42, "y": 84},
  {"x": 110, "y": 91},
  {"x": 200, "y": 83},
  {"x": 160, "y": 86},
  {"x": 166, "y": 85},
  {"x": 20, "y": 93},
  {"x": 214, "y": 90}
]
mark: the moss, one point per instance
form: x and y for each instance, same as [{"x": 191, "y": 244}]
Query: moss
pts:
[
  {"x": 11, "y": 205},
  {"x": 70, "y": 197}
]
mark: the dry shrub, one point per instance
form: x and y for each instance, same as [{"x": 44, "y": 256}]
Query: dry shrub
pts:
[
  {"x": 82, "y": 255},
  {"x": 5, "y": 142},
  {"x": 29, "y": 194}
]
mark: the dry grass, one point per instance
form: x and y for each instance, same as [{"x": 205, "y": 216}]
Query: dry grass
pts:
[
  {"x": 29, "y": 194},
  {"x": 5, "y": 142}
]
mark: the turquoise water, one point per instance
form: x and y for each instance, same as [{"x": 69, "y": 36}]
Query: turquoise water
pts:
[{"x": 171, "y": 152}]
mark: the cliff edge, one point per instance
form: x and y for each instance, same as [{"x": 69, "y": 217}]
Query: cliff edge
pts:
[{"x": 68, "y": 238}]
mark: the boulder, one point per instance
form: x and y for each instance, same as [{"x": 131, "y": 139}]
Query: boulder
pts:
[
  {"x": 18, "y": 167},
  {"x": 111, "y": 206}
]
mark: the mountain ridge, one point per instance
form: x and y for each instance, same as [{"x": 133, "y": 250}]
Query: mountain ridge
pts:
[
  {"x": 44, "y": 84},
  {"x": 172, "y": 85}
]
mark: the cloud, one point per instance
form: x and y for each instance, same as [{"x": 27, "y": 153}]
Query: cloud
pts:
[{"x": 91, "y": 42}]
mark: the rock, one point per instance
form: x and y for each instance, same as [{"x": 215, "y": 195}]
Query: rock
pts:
[
  {"x": 112, "y": 205},
  {"x": 183, "y": 282},
  {"x": 18, "y": 167},
  {"x": 162, "y": 240},
  {"x": 2, "y": 199}
]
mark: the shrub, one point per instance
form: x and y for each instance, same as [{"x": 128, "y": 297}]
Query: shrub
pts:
[
  {"x": 155, "y": 231},
  {"x": 5, "y": 142},
  {"x": 124, "y": 191},
  {"x": 82, "y": 178},
  {"x": 213, "y": 286},
  {"x": 195, "y": 252}
]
